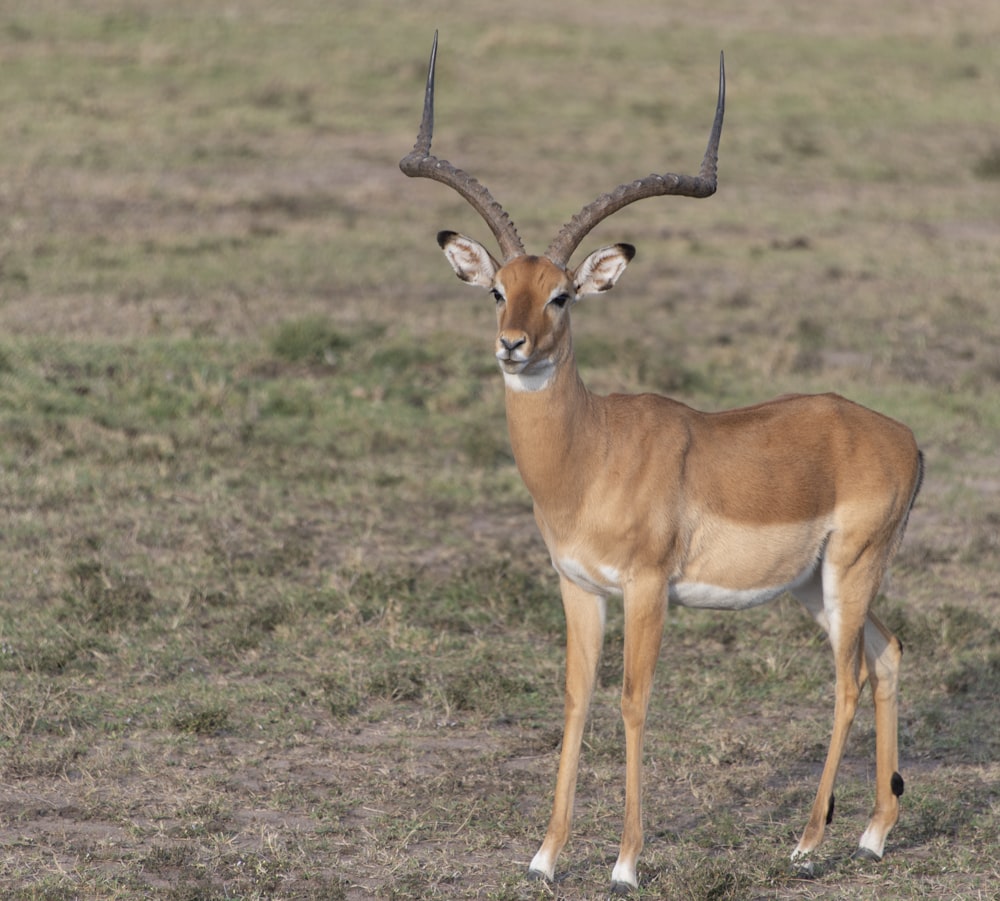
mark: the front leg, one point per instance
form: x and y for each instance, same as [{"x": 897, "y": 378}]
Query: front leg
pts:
[
  {"x": 584, "y": 635},
  {"x": 645, "y": 608}
]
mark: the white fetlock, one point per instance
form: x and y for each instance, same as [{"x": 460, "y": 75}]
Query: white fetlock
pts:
[
  {"x": 623, "y": 875},
  {"x": 542, "y": 866},
  {"x": 871, "y": 846}
]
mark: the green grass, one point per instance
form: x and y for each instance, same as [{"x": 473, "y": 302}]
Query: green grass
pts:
[{"x": 276, "y": 621}]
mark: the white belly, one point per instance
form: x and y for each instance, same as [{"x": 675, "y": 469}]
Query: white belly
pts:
[
  {"x": 716, "y": 597},
  {"x": 698, "y": 594},
  {"x": 765, "y": 579}
]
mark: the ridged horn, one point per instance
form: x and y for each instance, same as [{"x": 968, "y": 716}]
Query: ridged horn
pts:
[
  {"x": 419, "y": 163},
  {"x": 701, "y": 185}
]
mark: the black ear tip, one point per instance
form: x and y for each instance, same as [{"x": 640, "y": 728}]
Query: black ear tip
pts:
[
  {"x": 443, "y": 237},
  {"x": 628, "y": 250}
]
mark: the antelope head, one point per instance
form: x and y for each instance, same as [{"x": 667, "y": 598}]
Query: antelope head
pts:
[
  {"x": 534, "y": 293},
  {"x": 533, "y": 296}
]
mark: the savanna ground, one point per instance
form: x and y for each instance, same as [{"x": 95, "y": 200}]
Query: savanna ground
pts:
[{"x": 275, "y": 620}]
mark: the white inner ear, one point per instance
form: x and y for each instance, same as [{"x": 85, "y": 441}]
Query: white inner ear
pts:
[
  {"x": 471, "y": 261},
  {"x": 600, "y": 270}
]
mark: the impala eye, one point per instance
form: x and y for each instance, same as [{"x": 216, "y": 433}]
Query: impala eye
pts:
[
  {"x": 560, "y": 300},
  {"x": 497, "y": 296}
]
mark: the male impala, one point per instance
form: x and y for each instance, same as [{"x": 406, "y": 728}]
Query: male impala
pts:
[{"x": 643, "y": 498}]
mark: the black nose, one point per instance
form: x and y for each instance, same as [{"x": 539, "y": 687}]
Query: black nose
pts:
[{"x": 509, "y": 344}]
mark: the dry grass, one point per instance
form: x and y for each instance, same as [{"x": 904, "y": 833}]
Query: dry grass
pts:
[{"x": 276, "y": 622}]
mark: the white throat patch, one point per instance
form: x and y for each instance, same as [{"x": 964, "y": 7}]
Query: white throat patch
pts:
[{"x": 538, "y": 379}]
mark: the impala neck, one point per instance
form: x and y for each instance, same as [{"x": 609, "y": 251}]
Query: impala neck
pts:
[{"x": 550, "y": 432}]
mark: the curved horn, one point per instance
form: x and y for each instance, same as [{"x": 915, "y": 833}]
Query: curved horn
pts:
[
  {"x": 701, "y": 185},
  {"x": 419, "y": 163}
]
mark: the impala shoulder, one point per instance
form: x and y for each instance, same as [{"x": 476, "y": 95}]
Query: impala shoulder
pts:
[
  {"x": 648, "y": 404},
  {"x": 650, "y": 416}
]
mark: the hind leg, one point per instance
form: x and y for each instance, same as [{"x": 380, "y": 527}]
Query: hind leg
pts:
[
  {"x": 879, "y": 663},
  {"x": 882, "y": 654},
  {"x": 847, "y": 661},
  {"x": 838, "y": 598}
]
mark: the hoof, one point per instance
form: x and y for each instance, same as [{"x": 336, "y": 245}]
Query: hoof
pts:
[
  {"x": 621, "y": 889},
  {"x": 537, "y": 876},
  {"x": 866, "y": 854},
  {"x": 804, "y": 869}
]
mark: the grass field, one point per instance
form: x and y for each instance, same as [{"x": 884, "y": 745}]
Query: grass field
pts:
[{"x": 276, "y": 622}]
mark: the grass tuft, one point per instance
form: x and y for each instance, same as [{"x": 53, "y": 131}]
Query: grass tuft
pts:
[
  {"x": 312, "y": 340},
  {"x": 988, "y": 165},
  {"x": 107, "y": 600},
  {"x": 210, "y": 720}
]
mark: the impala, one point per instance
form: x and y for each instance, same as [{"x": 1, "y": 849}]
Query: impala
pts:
[{"x": 643, "y": 498}]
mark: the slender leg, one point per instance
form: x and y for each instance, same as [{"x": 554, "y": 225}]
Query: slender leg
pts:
[
  {"x": 847, "y": 690},
  {"x": 584, "y": 635},
  {"x": 882, "y": 654},
  {"x": 645, "y": 606},
  {"x": 847, "y": 595},
  {"x": 878, "y": 659}
]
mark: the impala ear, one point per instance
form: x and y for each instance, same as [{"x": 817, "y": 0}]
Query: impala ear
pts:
[
  {"x": 602, "y": 269},
  {"x": 471, "y": 261}
]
